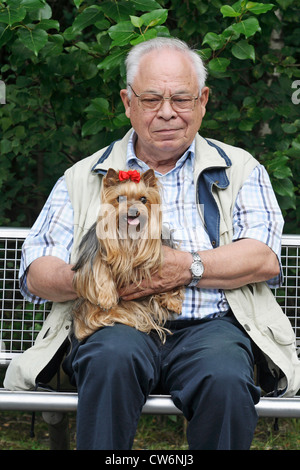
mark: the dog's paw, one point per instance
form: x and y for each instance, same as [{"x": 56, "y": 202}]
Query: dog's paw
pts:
[
  {"x": 172, "y": 301},
  {"x": 174, "y": 305},
  {"x": 107, "y": 300}
]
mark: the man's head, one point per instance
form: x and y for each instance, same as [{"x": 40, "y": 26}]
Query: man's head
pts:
[{"x": 159, "y": 68}]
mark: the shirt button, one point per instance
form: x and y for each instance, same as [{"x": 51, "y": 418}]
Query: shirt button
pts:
[{"x": 247, "y": 327}]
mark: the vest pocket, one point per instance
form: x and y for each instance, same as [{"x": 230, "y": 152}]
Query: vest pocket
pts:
[{"x": 282, "y": 334}]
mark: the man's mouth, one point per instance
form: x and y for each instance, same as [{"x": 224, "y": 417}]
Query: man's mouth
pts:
[{"x": 166, "y": 131}]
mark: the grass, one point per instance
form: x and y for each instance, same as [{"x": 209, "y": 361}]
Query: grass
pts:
[{"x": 154, "y": 433}]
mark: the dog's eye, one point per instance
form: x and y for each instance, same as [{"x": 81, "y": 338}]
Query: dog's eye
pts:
[
  {"x": 121, "y": 199},
  {"x": 143, "y": 199}
]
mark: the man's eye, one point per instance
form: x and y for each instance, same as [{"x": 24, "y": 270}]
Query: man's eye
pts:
[
  {"x": 143, "y": 199},
  {"x": 182, "y": 100},
  {"x": 151, "y": 100}
]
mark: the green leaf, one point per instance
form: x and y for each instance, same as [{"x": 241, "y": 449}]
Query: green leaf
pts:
[
  {"x": 91, "y": 127},
  {"x": 88, "y": 17},
  {"x": 284, "y": 187},
  {"x": 121, "y": 121},
  {"x": 248, "y": 27},
  {"x": 258, "y": 8},
  {"x": 49, "y": 24},
  {"x": 284, "y": 172},
  {"x": 102, "y": 24},
  {"x": 232, "y": 112},
  {"x": 113, "y": 60},
  {"x": 5, "y": 35},
  {"x": 54, "y": 46},
  {"x": 246, "y": 125},
  {"x": 215, "y": 41},
  {"x": 210, "y": 124},
  {"x": 145, "y": 5},
  {"x": 149, "y": 34},
  {"x": 70, "y": 33},
  {"x": 219, "y": 64},
  {"x": 242, "y": 50},
  {"x": 117, "y": 11},
  {"x": 33, "y": 4},
  {"x": 155, "y": 17},
  {"x": 279, "y": 165},
  {"x": 227, "y": 10},
  {"x": 78, "y": 3},
  {"x": 41, "y": 13},
  {"x": 12, "y": 15},
  {"x": 136, "y": 21},
  {"x": 5, "y": 146},
  {"x": 205, "y": 54},
  {"x": 34, "y": 39},
  {"x": 285, "y": 3},
  {"x": 289, "y": 128},
  {"x": 98, "y": 106},
  {"x": 122, "y": 33}
]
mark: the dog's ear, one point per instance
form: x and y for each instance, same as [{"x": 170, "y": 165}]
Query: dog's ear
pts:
[
  {"x": 111, "y": 178},
  {"x": 149, "y": 178}
]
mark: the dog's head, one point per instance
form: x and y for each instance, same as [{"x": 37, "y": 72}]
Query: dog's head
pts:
[{"x": 133, "y": 201}]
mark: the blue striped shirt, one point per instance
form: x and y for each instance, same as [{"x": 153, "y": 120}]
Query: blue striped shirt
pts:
[{"x": 256, "y": 215}]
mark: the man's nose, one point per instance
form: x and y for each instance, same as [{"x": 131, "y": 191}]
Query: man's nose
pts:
[{"x": 166, "y": 111}]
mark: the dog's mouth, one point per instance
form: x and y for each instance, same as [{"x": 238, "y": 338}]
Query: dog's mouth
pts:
[{"x": 131, "y": 220}]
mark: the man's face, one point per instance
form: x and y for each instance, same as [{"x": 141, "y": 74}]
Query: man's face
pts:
[{"x": 165, "y": 134}]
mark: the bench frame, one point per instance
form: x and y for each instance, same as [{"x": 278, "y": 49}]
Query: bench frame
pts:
[{"x": 55, "y": 405}]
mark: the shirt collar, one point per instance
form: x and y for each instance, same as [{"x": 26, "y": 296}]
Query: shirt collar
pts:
[{"x": 134, "y": 163}]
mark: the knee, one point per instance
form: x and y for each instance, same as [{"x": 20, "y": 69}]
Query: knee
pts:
[
  {"x": 109, "y": 345},
  {"x": 113, "y": 351},
  {"x": 232, "y": 380}
]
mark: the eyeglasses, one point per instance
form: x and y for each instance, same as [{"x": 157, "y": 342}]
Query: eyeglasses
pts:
[{"x": 180, "y": 102}]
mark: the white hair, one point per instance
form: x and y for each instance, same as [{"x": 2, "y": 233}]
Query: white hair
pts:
[{"x": 137, "y": 52}]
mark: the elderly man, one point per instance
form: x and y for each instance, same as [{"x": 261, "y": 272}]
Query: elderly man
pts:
[{"x": 229, "y": 255}]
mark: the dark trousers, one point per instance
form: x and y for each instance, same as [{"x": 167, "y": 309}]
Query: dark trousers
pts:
[{"x": 206, "y": 366}]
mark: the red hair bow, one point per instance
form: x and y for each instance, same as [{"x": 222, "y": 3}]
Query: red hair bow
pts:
[{"x": 133, "y": 175}]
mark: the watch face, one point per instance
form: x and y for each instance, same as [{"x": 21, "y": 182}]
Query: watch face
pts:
[{"x": 197, "y": 269}]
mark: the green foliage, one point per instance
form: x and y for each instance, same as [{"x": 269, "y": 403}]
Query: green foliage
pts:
[{"x": 62, "y": 64}]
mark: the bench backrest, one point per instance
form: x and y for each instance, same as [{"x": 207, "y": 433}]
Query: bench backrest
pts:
[{"x": 20, "y": 321}]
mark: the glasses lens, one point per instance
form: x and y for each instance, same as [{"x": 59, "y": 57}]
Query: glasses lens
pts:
[
  {"x": 182, "y": 102},
  {"x": 150, "y": 101}
]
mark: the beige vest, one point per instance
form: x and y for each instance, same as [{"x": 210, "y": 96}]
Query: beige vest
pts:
[{"x": 253, "y": 305}]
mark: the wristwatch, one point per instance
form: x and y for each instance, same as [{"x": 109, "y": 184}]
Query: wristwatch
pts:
[{"x": 197, "y": 269}]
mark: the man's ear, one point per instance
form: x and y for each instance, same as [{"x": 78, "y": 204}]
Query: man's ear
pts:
[
  {"x": 204, "y": 99},
  {"x": 126, "y": 102}
]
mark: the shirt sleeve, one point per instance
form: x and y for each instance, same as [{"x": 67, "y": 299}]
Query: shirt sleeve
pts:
[
  {"x": 51, "y": 235},
  {"x": 257, "y": 215}
]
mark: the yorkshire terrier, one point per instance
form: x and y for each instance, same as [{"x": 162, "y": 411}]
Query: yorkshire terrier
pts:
[{"x": 123, "y": 247}]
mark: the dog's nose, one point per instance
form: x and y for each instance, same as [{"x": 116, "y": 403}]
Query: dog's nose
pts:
[{"x": 133, "y": 212}]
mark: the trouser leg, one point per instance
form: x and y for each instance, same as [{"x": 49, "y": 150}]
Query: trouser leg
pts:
[
  {"x": 209, "y": 373},
  {"x": 115, "y": 370}
]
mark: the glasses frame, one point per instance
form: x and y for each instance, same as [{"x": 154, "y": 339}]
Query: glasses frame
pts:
[{"x": 195, "y": 98}]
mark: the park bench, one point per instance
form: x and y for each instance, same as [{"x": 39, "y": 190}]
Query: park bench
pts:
[{"x": 21, "y": 321}]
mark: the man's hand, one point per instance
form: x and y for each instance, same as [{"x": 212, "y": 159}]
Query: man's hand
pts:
[{"x": 175, "y": 272}]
